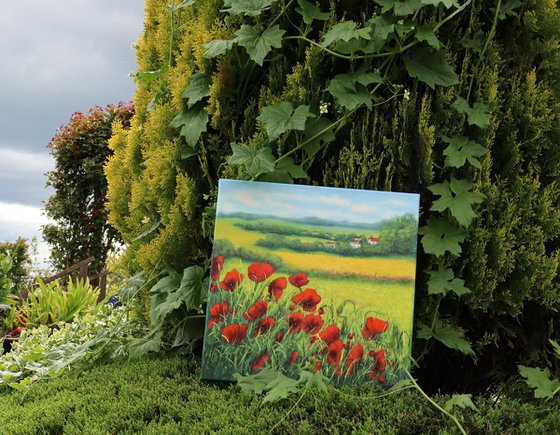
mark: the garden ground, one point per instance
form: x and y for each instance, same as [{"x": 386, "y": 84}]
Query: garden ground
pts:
[{"x": 164, "y": 395}]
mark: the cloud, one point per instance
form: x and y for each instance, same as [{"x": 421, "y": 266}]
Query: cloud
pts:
[{"x": 365, "y": 209}]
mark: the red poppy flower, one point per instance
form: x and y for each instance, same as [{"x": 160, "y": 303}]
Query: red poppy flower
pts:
[
  {"x": 334, "y": 353},
  {"x": 292, "y": 307},
  {"x": 234, "y": 334},
  {"x": 216, "y": 312},
  {"x": 260, "y": 361},
  {"x": 276, "y": 287},
  {"x": 374, "y": 326},
  {"x": 216, "y": 267},
  {"x": 351, "y": 336},
  {"x": 330, "y": 334},
  {"x": 231, "y": 281},
  {"x": 381, "y": 379},
  {"x": 312, "y": 324},
  {"x": 321, "y": 311},
  {"x": 379, "y": 365},
  {"x": 278, "y": 337},
  {"x": 255, "y": 311},
  {"x": 263, "y": 326},
  {"x": 260, "y": 271},
  {"x": 299, "y": 279},
  {"x": 317, "y": 366},
  {"x": 354, "y": 357},
  {"x": 292, "y": 358},
  {"x": 213, "y": 288},
  {"x": 337, "y": 373},
  {"x": 294, "y": 322},
  {"x": 313, "y": 339},
  {"x": 307, "y": 299}
]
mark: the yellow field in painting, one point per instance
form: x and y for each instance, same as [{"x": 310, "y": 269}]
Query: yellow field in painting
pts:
[
  {"x": 378, "y": 268},
  {"x": 392, "y": 301}
]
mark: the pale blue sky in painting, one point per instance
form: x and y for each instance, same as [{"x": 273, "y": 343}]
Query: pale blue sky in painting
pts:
[{"x": 297, "y": 201}]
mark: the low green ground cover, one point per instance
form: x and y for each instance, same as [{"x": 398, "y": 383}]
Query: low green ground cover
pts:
[{"x": 163, "y": 395}]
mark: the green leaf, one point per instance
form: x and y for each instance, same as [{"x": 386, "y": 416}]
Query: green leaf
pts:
[
  {"x": 436, "y": 3},
  {"x": 317, "y": 131},
  {"x": 255, "y": 161},
  {"x": 507, "y": 8},
  {"x": 401, "y": 8},
  {"x": 276, "y": 176},
  {"x": 287, "y": 164},
  {"x": 256, "y": 383},
  {"x": 349, "y": 90},
  {"x": 282, "y": 118},
  {"x": 149, "y": 76},
  {"x": 258, "y": 46},
  {"x": 193, "y": 123},
  {"x": 187, "y": 151},
  {"x": 461, "y": 401},
  {"x": 383, "y": 26},
  {"x": 428, "y": 66},
  {"x": 345, "y": 31},
  {"x": 426, "y": 33},
  {"x": 450, "y": 336},
  {"x": 540, "y": 380},
  {"x": 150, "y": 230},
  {"x": 189, "y": 329},
  {"x": 139, "y": 347},
  {"x": 314, "y": 380},
  {"x": 556, "y": 347},
  {"x": 478, "y": 115},
  {"x": 181, "y": 5},
  {"x": 251, "y": 8},
  {"x": 460, "y": 150},
  {"x": 280, "y": 388},
  {"x": 442, "y": 281},
  {"x": 198, "y": 88},
  {"x": 475, "y": 43},
  {"x": 458, "y": 198},
  {"x": 310, "y": 12},
  {"x": 218, "y": 47},
  {"x": 441, "y": 236},
  {"x": 194, "y": 287}
]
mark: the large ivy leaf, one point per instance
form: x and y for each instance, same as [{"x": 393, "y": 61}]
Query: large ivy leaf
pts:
[
  {"x": 446, "y": 3},
  {"x": 251, "y": 8},
  {"x": 426, "y": 33},
  {"x": 442, "y": 281},
  {"x": 428, "y": 66},
  {"x": 259, "y": 45},
  {"x": 441, "y": 236},
  {"x": 280, "y": 388},
  {"x": 349, "y": 90},
  {"x": 460, "y": 150},
  {"x": 461, "y": 401},
  {"x": 254, "y": 160},
  {"x": 478, "y": 115},
  {"x": 198, "y": 88},
  {"x": 540, "y": 380},
  {"x": 192, "y": 123},
  {"x": 218, "y": 47},
  {"x": 193, "y": 287},
  {"x": 317, "y": 131},
  {"x": 287, "y": 164},
  {"x": 400, "y": 7},
  {"x": 345, "y": 31},
  {"x": 258, "y": 382},
  {"x": 458, "y": 198},
  {"x": 283, "y": 117},
  {"x": 310, "y": 11},
  {"x": 451, "y": 336},
  {"x": 382, "y": 25}
]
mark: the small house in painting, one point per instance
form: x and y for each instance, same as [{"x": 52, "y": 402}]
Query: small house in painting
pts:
[
  {"x": 330, "y": 245},
  {"x": 373, "y": 240},
  {"x": 355, "y": 244}
]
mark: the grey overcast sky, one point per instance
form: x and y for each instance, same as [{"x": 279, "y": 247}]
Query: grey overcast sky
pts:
[{"x": 58, "y": 57}]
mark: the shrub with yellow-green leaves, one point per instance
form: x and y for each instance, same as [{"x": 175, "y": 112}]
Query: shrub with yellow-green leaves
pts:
[{"x": 466, "y": 112}]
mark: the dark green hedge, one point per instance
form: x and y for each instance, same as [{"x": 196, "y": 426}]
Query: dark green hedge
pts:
[{"x": 165, "y": 395}]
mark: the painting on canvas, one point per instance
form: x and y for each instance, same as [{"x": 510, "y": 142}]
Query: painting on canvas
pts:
[{"x": 313, "y": 278}]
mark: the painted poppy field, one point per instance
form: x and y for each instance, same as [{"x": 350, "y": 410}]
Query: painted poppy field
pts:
[{"x": 299, "y": 293}]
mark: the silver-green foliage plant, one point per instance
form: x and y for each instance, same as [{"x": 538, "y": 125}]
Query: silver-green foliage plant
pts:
[{"x": 45, "y": 353}]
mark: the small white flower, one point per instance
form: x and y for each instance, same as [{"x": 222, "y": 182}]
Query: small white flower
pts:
[
  {"x": 406, "y": 95},
  {"x": 145, "y": 220},
  {"x": 323, "y": 108}
]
